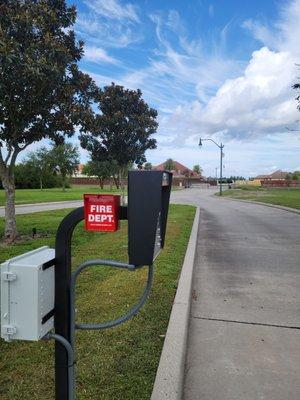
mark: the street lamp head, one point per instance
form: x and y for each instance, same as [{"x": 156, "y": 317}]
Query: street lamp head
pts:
[{"x": 200, "y": 143}]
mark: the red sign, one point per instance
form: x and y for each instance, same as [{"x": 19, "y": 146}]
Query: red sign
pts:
[{"x": 101, "y": 212}]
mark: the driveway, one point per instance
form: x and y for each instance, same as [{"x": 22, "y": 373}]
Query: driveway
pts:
[{"x": 244, "y": 337}]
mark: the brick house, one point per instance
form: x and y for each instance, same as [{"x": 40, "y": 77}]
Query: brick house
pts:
[{"x": 179, "y": 171}]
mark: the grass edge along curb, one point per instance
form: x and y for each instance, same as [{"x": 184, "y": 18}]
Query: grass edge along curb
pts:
[
  {"x": 260, "y": 203},
  {"x": 170, "y": 373}
]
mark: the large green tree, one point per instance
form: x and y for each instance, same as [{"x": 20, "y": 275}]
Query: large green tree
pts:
[
  {"x": 123, "y": 129},
  {"x": 197, "y": 169},
  {"x": 64, "y": 159},
  {"x": 42, "y": 92},
  {"x": 101, "y": 169},
  {"x": 148, "y": 166},
  {"x": 169, "y": 165},
  {"x": 296, "y": 86},
  {"x": 40, "y": 161}
]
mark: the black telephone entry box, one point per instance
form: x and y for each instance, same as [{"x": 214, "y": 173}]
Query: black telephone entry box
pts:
[{"x": 147, "y": 213}]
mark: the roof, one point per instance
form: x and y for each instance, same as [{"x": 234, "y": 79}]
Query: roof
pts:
[
  {"x": 274, "y": 175},
  {"x": 179, "y": 170}
]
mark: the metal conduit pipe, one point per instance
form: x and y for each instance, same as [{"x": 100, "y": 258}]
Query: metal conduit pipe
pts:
[
  {"x": 109, "y": 324},
  {"x": 70, "y": 351}
]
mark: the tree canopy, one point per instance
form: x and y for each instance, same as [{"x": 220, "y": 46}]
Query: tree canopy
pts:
[
  {"x": 296, "y": 86},
  {"x": 40, "y": 161},
  {"x": 64, "y": 158},
  {"x": 197, "y": 169},
  {"x": 42, "y": 92},
  {"x": 148, "y": 166},
  {"x": 123, "y": 129},
  {"x": 101, "y": 169},
  {"x": 169, "y": 165}
]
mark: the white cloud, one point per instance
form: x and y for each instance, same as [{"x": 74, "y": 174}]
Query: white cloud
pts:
[
  {"x": 283, "y": 35},
  {"x": 246, "y": 104},
  {"x": 258, "y": 101},
  {"x": 211, "y": 10},
  {"x": 98, "y": 55},
  {"x": 112, "y": 9},
  {"x": 174, "y": 22},
  {"x": 109, "y": 23}
]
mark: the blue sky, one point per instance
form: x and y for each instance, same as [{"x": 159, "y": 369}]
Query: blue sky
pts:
[{"x": 220, "y": 69}]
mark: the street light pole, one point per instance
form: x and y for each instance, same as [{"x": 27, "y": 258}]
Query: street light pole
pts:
[
  {"x": 221, "y": 147},
  {"x": 221, "y": 168}
]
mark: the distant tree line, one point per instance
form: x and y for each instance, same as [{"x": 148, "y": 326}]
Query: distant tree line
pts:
[
  {"x": 47, "y": 168},
  {"x": 293, "y": 176}
]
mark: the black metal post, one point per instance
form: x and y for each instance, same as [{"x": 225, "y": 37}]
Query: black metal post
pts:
[
  {"x": 62, "y": 298},
  {"x": 62, "y": 295},
  {"x": 221, "y": 168}
]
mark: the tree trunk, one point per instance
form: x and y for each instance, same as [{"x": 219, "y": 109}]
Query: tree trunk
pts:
[
  {"x": 63, "y": 177},
  {"x": 41, "y": 184},
  {"x": 100, "y": 182},
  {"x": 117, "y": 183},
  {"x": 122, "y": 173},
  {"x": 8, "y": 182}
]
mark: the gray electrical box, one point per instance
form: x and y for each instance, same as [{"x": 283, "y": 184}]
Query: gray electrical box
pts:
[{"x": 27, "y": 295}]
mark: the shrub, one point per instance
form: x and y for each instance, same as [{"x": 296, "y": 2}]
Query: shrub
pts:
[{"x": 28, "y": 177}]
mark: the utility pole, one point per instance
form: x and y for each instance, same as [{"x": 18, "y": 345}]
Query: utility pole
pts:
[
  {"x": 221, "y": 168},
  {"x": 221, "y": 147}
]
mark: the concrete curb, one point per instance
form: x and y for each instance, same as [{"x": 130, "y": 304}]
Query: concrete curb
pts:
[
  {"x": 289, "y": 209},
  {"x": 170, "y": 374}
]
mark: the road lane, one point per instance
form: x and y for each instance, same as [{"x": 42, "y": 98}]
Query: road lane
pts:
[{"x": 244, "y": 341}]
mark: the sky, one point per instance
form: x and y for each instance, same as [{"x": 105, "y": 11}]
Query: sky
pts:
[{"x": 220, "y": 69}]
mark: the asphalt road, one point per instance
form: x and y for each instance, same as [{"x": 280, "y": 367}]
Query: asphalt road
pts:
[{"x": 244, "y": 337}]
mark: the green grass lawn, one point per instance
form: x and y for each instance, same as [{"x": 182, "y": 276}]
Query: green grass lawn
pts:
[
  {"x": 30, "y": 196},
  {"x": 289, "y": 197},
  {"x": 114, "y": 364}
]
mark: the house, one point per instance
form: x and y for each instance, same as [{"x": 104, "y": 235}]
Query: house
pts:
[
  {"x": 79, "y": 171},
  {"x": 277, "y": 175},
  {"x": 179, "y": 171}
]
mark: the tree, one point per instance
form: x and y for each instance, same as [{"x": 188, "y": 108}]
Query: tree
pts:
[
  {"x": 64, "y": 158},
  {"x": 123, "y": 129},
  {"x": 27, "y": 176},
  {"x": 102, "y": 169},
  {"x": 197, "y": 169},
  {"x": 296, "y": 86},
  {"x": 42, "y": 92},
  {"x": 169, "y": 165},
  {"x": 41, "y": 162},
  {"x": 296, "y": 175},
  {"x": 148, "y": 166},
  {"x": 292, "y": 176}
]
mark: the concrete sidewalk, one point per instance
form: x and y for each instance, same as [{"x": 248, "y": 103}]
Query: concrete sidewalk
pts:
[
  {"x": 244, "y": 335},
  {"x": 38, "y": 207}
]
